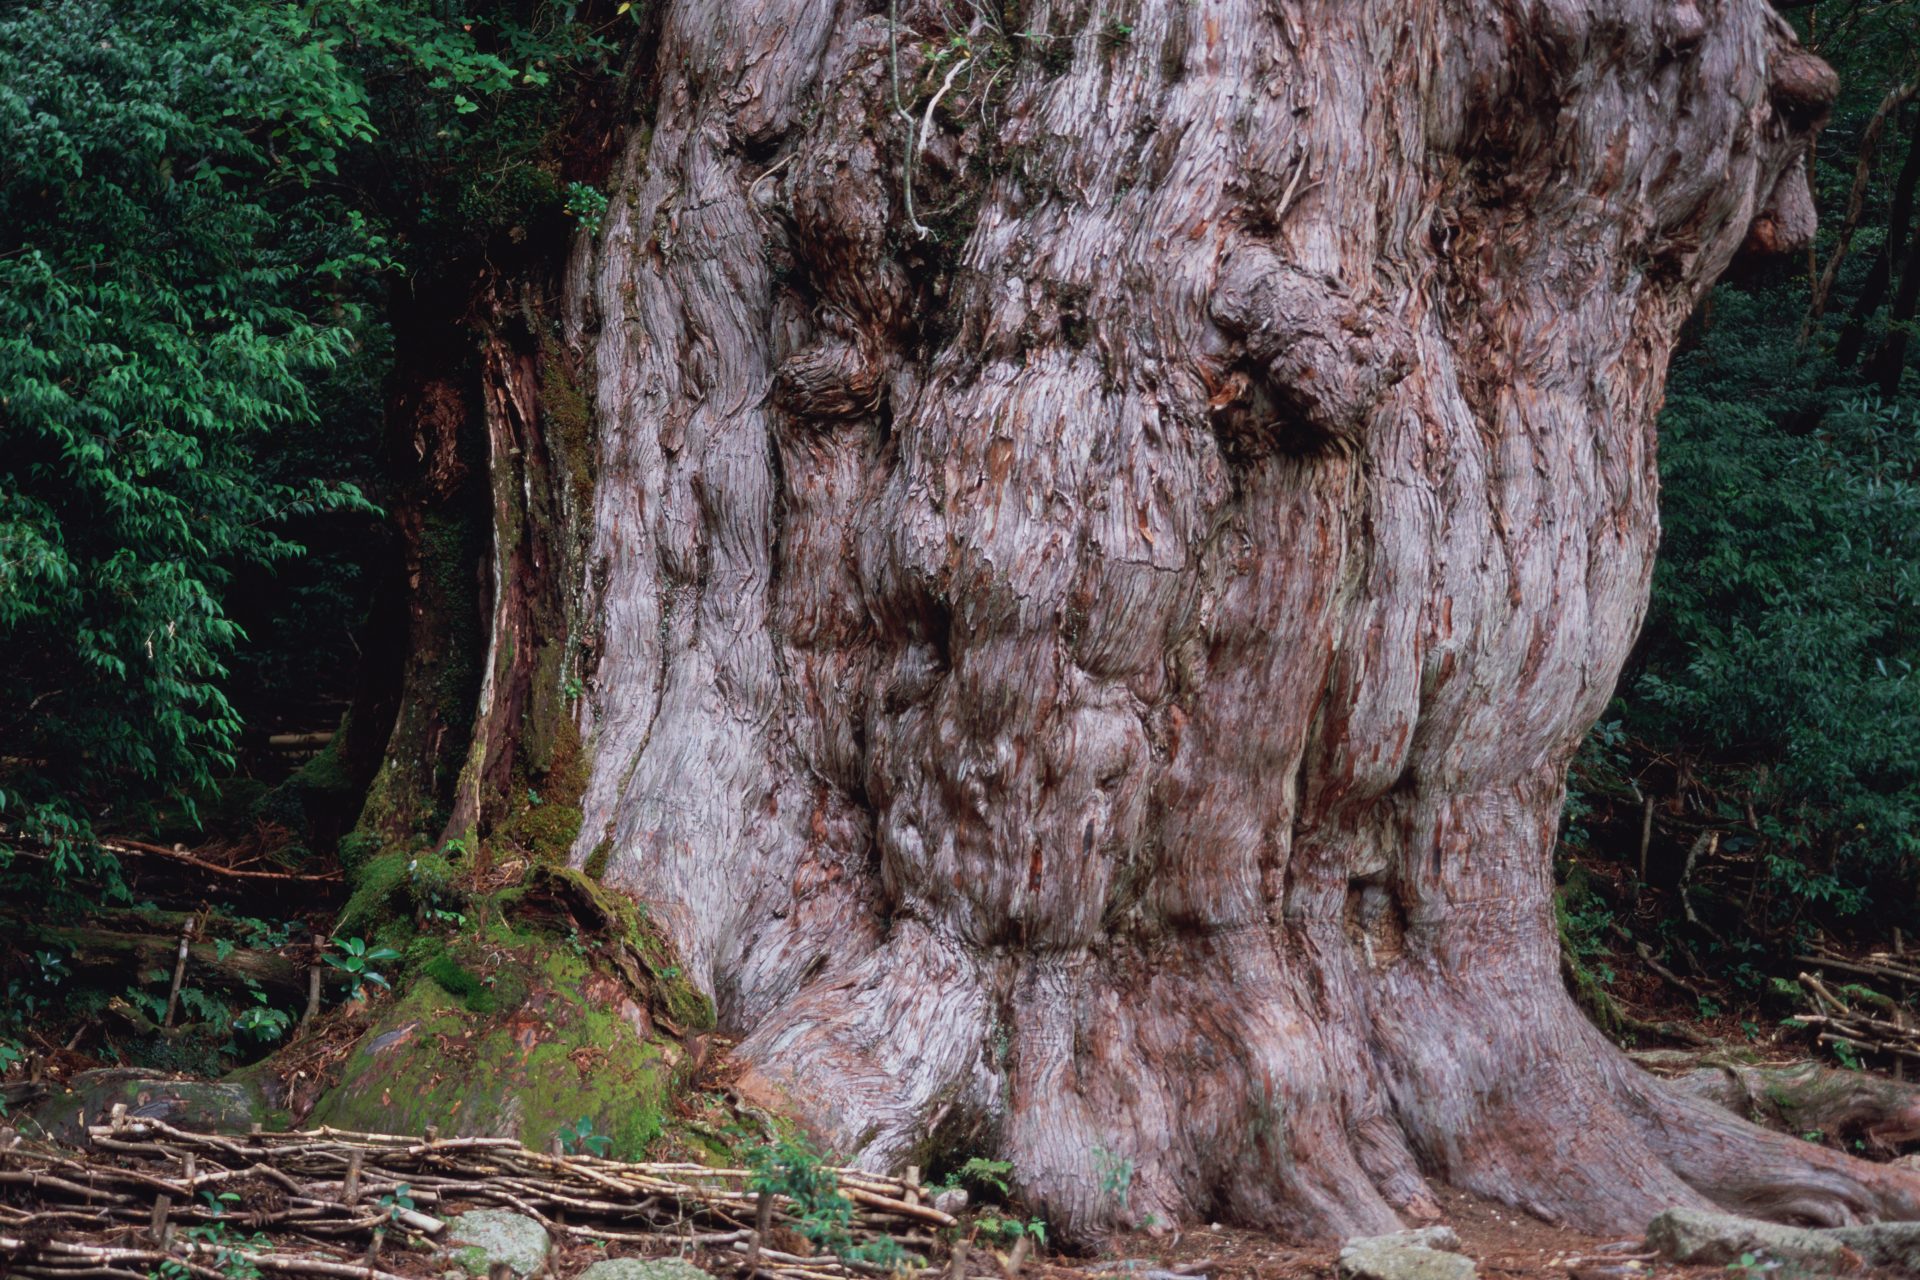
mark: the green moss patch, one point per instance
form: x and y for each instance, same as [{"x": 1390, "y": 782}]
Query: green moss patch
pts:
[
  {"x": 570, "y": 1043},
  {"x": 543, "y": 803},
  {"x": 570, "y": 901}
]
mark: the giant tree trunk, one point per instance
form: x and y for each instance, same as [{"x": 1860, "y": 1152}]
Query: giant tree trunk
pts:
[{"x": 1084, "y": 644}]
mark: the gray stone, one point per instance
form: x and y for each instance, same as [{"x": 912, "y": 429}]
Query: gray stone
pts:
[
  {"x": 477, "y": 1240},
  {"x": 1429, "y": 1253},
  {"x": 1719, "y": 1239},
  {"x": 643, "y": 1269},
  {"x": 1890, "y": 1246},
  {"x": 950, "y": 1199},
  {"x": 1442, "y": 1238}
]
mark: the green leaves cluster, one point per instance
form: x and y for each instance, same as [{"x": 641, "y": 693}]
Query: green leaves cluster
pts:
[
  {"x": 203, "y": 209},
  {"x": 1786, "y": 620},
  {"x": 169, "y": 289},
  {"x": 791, "y": 1167},
  {"x": 1772, "y": 701}
]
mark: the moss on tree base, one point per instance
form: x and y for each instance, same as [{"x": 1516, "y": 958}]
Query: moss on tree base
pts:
[
  {"x": 566, "y": 1007},
  {"x": 562, "y": 1042}
]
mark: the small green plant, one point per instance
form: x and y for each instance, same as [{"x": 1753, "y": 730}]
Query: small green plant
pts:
[
  {"x": 573, "y": 689},
  {"x": 581, "y": 1138},
  {"x": 1849, "y": 1056},
  {"x": 1750, "y": 1265},
  {"x": 356, "y": 960},
  {"x": 264, "y": 935},
  {"x": 586, "y": 205},
  {"x": 994, "y": 1175},
  {"x": 260, "y": 1020},
  {"x": 792, "y": 1168},
  {"x": 397, "y": 1201},
  {"x": 1116, "y": 1174},
  {"x": 230, "y": 1246},
  {"x": 1009, "y": 1230}
]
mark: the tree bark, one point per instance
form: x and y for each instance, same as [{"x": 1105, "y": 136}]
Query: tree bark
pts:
[{"x": 1085, "y": 643}]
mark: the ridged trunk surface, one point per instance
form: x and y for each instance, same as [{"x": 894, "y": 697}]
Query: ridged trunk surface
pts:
[{"x": 1092, "y": 682}]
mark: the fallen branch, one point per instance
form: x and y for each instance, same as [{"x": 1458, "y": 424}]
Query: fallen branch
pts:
[{"x": 123, "y": 845}]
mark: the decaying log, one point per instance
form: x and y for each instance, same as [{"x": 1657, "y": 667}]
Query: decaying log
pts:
[{"x": 93, "y": 950}]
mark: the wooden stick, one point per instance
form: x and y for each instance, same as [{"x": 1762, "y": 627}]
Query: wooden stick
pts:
[
  {"x": 179, "y": 974},
  {"x": 157, "y": 1228},
  {"x": 762, "y": 1223}
]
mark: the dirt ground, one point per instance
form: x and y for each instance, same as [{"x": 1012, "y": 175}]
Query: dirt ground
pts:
[{"x": 1502, "y": 1242}]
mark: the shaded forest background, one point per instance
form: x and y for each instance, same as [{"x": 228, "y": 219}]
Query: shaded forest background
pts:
[{"x": 231, "y": 232}]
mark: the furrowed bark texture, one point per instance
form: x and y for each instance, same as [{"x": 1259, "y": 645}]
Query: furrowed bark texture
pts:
[{"x": 1093, "y": 684}]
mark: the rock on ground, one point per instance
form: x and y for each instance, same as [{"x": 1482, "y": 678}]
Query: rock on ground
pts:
[
  {"x": 1430, "y": 1253},
  {"x": 477, "y": 1240},
  {"x": 644, "y": 1269},
  {"x": 1697, "y": 1236}
]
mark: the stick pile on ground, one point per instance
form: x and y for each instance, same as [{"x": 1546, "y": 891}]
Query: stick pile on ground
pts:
[
  {"x": 1862, "y": 1017},
  {"x": 149, "y": 1197}
]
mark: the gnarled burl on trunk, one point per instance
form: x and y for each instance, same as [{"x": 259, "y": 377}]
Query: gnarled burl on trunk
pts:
[{"x": 1110, "y": 522}]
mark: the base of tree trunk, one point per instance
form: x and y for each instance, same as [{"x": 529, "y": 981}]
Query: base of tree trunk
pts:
[{"x": 1104, "y": 532}]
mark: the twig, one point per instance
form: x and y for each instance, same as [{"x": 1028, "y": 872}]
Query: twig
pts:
[
  {"x": 179, "y": 974},
  {"x": 1896, "y": 98},
  {"x": 907, "y": 159}
]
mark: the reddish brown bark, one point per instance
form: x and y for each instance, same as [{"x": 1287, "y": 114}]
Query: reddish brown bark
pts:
[{"x": 1087, "y": 644}]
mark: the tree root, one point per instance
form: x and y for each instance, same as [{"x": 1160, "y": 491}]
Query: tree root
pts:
[{"x": 1851, "y": 1109}]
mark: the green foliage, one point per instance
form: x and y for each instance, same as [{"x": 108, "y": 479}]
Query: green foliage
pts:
[
  {"x": 1752, "y": 1265},
  {"x": 1007, "y": 1230},
  {"x": 581, "y": 1138},
  {"x": 232, "y": 1248},
  {"x": 356, "y": 960},
  {"x": 587, "y": 205},
  {"x": 203, "y": 210},
  {"x": 397, "y": 1201},
  {"x": 166, "y": 301},
  {"x": 792, "y": 1168},
  {"x": 1783, "y": 635},
  {"x": 260, "y": 1020},
  {"x": 987, "y": 1174},
  {"x": 1771, "y": 708}
]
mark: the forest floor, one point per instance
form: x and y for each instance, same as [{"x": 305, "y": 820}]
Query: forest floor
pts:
[{"x": 1501, "y": 1241}]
